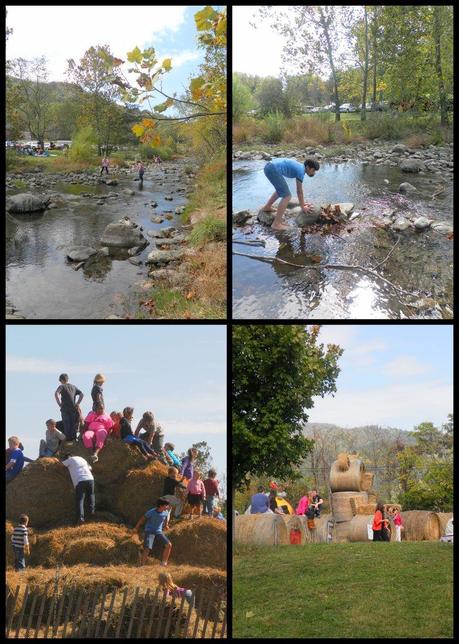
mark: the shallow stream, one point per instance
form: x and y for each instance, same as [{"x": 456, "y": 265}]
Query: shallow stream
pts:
[{"x": 421, "y": 262}]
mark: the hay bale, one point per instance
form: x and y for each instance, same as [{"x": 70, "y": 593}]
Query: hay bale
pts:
[
  {"x": 356, "y": 503},
  {"x": 199, "y": 541},
  {"x": 366, "y": 508},
  {"x": 294, "y": 522},
  {"x": 261, "y": 529},
  {"x": 366, "y": 481},
  {"x": 347, "y": 481},
  {"x": 343, "y": 462},
  {"x": 341, "y": 504},
  {"x": 340, "y": 533},
  {"x": 138, "y": 492},
  {"x": 358, "y": 527},
  {"x": 444, "y": 518},
  {"x": 323, "y": 528},
  {"x": 372, "y": 498},
  {"x": 421, "y": 525},
  {"x": 43, "y": 491}
]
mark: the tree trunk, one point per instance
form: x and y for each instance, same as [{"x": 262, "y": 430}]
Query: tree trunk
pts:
[
  {"x": 233, "y": 512},
  {"x": 375, "y": 52},
  {"x": 332, "y": 66},
  {"x": 363, "y": 113},
  {"x": 438, "y": 67}
]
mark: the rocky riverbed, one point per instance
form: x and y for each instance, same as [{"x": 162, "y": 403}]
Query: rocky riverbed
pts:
[{"x": 124, "y": 236}]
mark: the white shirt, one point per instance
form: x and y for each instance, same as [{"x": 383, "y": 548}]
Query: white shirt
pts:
[
  {"x": 79, "y": 469},
  {"x": 449, "y": 528}
]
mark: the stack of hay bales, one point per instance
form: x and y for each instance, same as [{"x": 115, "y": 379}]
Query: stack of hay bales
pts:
[
  {"x": 349, "y": 485},
  {"x": 261, "y": 529}
]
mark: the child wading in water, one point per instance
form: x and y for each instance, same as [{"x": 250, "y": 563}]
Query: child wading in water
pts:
[
  {"x": 276, "y": 171},
  {"x": 165, "y": 581},
  {"x": 155, "y": 521}
]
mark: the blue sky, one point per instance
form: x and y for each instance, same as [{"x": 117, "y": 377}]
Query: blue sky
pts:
[
  {"x": 176, "y": 371},
  {"x": 71, "y": 30},
  {"x": 393, "y": 375}
]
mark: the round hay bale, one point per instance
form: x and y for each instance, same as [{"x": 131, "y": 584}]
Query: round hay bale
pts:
[
  {"x": 199, "y": 542},
  {"x": 261, "y": 529},
  {"x": 421, "y": 525},
  {"x": 43, "y": 491},
  {"x": 347, "y": 481},
  {"x": 444, "y": 518},
  {"x": 139, "y": 492},
  {"x": 366, "y": 481},
  {"x": 372, "y": 498},
  {"x": 358, "y": 527},
  {"x": 340, "y": 533},
  {"x": 90, "y": 550},
  {"x": 294, "y": 522},
  {"x": 341, "y": 504},
  {"x": 323, "y": 528},
  {"x": 343, "y": 462}
]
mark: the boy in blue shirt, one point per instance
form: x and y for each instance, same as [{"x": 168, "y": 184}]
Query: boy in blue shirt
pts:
[
  {"x": 276, "y": 171},
  {"x": 16, "y": 462},
  {"x": 155, "y": 520}
]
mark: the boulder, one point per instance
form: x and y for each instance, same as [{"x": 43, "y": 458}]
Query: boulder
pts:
[
  {"x": 421, "y": 223},
  {"x": 304, "y": 219},
  {"x": 240, "y": 217},
  {"x": 266, "y": 218},
  {"x": 25, "y": 202},
  {"x": 158, "y": 219},
  {"x": 401, "y": 224},
  {"x": 442, "y": 227},
  {"x": 400, "y": 148},
  {"x": 179, "y": 210},
  {"x": 406, "y": 187},
  {"x": 80, "y": 253},
  {"x": 165, "y": 256},
  {"x": 411, "y": 165},
  {"x": 111, "y": 182},
  {"x": 123, "y": 234},
  {"x": 168, "y": 197},
  {"x": 128, "y": 191}
]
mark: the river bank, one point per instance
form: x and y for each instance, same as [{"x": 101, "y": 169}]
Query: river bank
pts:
[{"x": 59, "y": 261}]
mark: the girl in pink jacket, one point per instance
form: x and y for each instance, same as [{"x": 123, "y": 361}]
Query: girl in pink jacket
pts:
[{"x": 303, "y": 505}]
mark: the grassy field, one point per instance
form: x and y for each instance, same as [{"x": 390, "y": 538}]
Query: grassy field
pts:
[{"x": 355, "y": 590}]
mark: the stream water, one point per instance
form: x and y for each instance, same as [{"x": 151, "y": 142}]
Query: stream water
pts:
[
  {"x": 421, "y": 261},
  {"x": 42, "y": 284}
]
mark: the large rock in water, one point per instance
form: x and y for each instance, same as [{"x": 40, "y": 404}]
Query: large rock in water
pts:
[
  {"x": 411, "y": 165},
  {"x": 306, "y": 219},
  {"x": 406, "y": 187},
  {"x": 165, "y": 256},
  {"x": 266, "y": 218},
  {"x": 25, "y": 202},
  {"x": 80, "y": 253},
  {"x": 123, "y": 234}
]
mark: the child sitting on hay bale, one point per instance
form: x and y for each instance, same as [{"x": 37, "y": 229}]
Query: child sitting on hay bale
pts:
[
  {"x": 196, "y": 494},
  {"x": 20, "y": 541},
  {"x": 127, "y": 435},
  {"x": 172, "y": 590},
  {"x": 156, "y": 520},
  {"x": 116, "y": 416},
  {"x": 16, "y": 460},
  {"x": 52, "y": 441},
  {"x": 170, "y": 456}
]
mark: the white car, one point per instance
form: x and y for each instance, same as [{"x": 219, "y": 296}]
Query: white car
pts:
[{"x": 347, "y": 107}]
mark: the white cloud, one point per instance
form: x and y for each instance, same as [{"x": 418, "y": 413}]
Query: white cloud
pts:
[
  {"x": 180, "y": 59},
  {"x": 398, "y": 404},
  {"x": 356, "y": 352},
  {"x": 403, "y": 367},
  {"x": 19, "y": 364},
  {"x": 69, "y": 30}
]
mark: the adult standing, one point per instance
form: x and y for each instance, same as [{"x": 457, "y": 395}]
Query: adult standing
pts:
[
  {"x": 259, "y": 503},
  {"x": 97, "y": 392},
  {"x": 83, "y": 482},
  {"x": 65, "y": 396},
  {"x": 53, "y": 437},
  {"x": 379, "y": 522}
]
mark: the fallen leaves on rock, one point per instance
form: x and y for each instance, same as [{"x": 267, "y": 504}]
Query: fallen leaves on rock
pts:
[{"x": 450, "y": 236}]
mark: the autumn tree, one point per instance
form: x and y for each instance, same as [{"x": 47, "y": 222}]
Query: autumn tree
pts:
[
  {"x": 277, "y": 370},
  {"x": 242, "y": 99}
]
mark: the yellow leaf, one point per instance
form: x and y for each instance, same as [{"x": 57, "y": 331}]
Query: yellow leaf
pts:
[
  {"x": 167, "y": 64},
  {"x": 148, "y": 123},
  {"x": 138, "y": 129}
]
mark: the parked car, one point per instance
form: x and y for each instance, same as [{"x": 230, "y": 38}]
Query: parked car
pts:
[
  {"x": 347, "y": 107},
  {"x": 307, "y": 109}
]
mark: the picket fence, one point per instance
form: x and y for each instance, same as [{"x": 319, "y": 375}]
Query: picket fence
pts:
[{"x": 71, "y": 612}]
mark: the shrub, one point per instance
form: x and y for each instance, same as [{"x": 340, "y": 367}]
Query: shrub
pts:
[
  {"x": 209, "y": 229},
  {"x": 82, "y": 145},
  {"x": 275, "y": 127}
]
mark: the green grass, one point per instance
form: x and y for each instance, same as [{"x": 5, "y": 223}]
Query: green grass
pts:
[
  {"x": 349, "y": 590},
  {"x": 209, "y": 229},
  {"x": 165, "y": 302}
]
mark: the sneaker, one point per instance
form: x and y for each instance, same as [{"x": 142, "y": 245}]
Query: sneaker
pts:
[
  {"x": 94, "y": 458},
  {"x": 163, "y": 563}
]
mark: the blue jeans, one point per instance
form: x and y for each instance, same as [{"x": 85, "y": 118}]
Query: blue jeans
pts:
[
  {"x": 278, "y": 181},
  {"x": 149, "y": 539},
  {"x": 19, "y": 560},
  {"x": 44, "y": 450},
  {"x": 69, "y": 420},
  {"x": 209, "y": 504},
  {"x": 142, "y": 445}
]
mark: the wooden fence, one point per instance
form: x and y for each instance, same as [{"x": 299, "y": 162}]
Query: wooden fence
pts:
[{"x": 104, "y": 612}]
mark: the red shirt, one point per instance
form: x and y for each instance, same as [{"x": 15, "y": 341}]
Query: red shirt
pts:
[
  {"x": 377, "y": 520},
  {"x": 398, "y": 519},
  {"x": 211, "y": 486}
]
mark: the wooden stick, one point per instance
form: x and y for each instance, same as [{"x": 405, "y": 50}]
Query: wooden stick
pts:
[
  {"x": 318, "y": 267},
  {"x": 387, "y": 256},
  {"x": 249, "y": 243}
]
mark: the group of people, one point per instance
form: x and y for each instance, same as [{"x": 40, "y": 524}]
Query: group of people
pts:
[
  {"x": 309, "y": 504},
  {"x": 183, "y": 484},
  {"x": 139, "y": 166}
]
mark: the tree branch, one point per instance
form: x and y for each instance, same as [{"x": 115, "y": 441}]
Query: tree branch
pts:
[{"x": 179, "y": 100}]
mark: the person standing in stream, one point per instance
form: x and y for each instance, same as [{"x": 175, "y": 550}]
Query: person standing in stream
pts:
[
  {"x": 65, "y": 396},
  {"x": 141, "y": 169},
  {"x": 104, "y": 166},
  {"x": 276, "y": 171}
]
